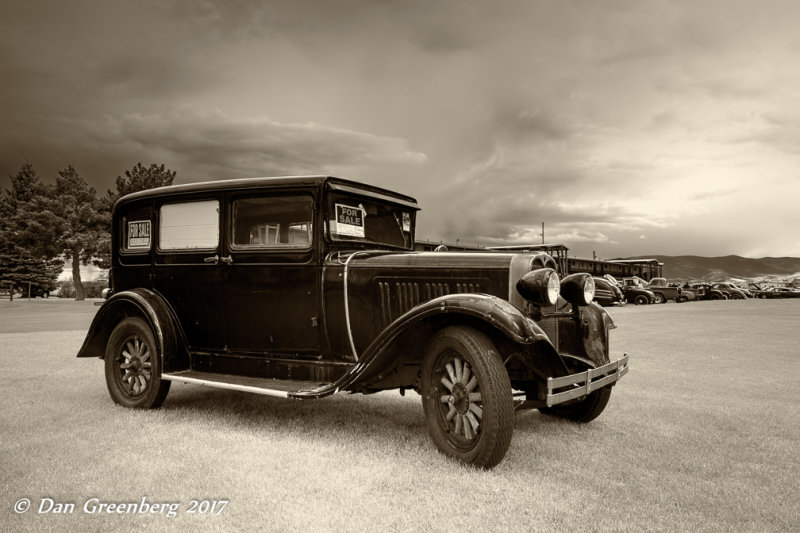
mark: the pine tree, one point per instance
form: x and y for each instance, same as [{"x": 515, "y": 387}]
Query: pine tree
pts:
[
  {"x": 140, "y": 178},
  {"x": 81, "y": 222},
  {"x": 28, "y": 251}
]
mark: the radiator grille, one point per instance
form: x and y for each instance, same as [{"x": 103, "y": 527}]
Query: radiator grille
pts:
[
  {"x": 550, "y": 328},
  {"x": 399, "y": 297}
]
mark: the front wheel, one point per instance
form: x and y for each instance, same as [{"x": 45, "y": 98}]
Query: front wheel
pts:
[
  {"x": 133, "y": 366},
  {"x": 641, "y": 300},
  {"x": 467, "y": 398},
  {"x": 659, "y": 298}
]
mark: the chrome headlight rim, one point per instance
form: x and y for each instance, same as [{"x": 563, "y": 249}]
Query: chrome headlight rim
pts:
[
  {"x": 578, "y": 289},
  {"x": 540, "y": 287}
]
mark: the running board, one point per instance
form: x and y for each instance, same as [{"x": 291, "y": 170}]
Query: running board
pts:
[{"x": 282, "y": 388}]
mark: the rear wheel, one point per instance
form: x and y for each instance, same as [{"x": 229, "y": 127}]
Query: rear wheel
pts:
[
  {"x": 659, "y": 298},
  {"x": 466, "y": 395},
  {"x": 640, "y": 300},
  {"x": 133, "y": 366}
]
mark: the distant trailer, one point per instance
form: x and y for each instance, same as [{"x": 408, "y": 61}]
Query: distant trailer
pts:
[{"x": 646, "y": 269}]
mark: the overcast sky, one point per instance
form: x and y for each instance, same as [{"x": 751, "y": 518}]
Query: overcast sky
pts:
[{"x": 627, "y": 127}]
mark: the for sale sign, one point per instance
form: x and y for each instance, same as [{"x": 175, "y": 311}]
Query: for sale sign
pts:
[
  {"x": 138, "y": 234},
  {"x": 349, "y": 221}
]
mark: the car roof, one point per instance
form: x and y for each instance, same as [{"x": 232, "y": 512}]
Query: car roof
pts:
[{"x": 273, "y": 182}]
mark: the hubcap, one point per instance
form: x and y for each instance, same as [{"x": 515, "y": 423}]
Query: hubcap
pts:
[
  {"x": 460, "y": 398},
  {"x": 134, "y": 366}
]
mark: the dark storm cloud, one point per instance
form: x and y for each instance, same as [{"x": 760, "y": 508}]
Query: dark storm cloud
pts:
[
  {"x": 495, "y": 115},
  {"x": 211, "y": 145}
]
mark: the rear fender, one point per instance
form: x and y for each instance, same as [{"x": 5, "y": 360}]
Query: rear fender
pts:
[{"x": 152, "y": 308}]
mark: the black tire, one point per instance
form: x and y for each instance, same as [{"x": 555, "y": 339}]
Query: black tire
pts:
[
  {"x": 584, "y": 410},
  {"x": 641, "y": 300},
  {"x": 682, "y": 299},
  {"x": 659, "y": 298},
  {"x": 133, "y": 366},
  {"x": 469, "y": 408}
]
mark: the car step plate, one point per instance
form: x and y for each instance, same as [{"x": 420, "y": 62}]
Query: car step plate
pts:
[{"x": 283, "y": 388}]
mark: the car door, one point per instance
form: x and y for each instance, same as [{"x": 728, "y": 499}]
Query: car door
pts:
[
  {"x": 272, "y": 277},
  {"x": 188, "y": 272}
]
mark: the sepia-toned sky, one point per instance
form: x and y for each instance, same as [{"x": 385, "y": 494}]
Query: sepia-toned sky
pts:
[{"x": 627, "y": 127}]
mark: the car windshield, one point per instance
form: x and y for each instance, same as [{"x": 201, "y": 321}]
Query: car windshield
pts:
[{"x": 369, "y": 220}]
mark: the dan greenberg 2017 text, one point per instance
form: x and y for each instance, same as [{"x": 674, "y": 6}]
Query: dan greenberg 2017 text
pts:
[{"x": 96, "y": 506}]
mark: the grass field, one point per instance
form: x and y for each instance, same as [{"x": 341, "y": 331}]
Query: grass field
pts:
[{"x": 701, "y": 435}]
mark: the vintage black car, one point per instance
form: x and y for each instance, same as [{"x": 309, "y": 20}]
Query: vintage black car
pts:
[
  {"x": 731, "y": 291},
  {"x": 634, "y": 292},
  {"x": 34, "y": 291},
  {"x": 607, "y": 293},
  {"x": 705, "y": 291},
  {"x": 302, "y": 287},
  {"x": 778, "y": 292}
]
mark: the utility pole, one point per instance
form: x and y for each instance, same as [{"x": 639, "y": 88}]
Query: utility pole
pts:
[{"x": 542, "y": 232}]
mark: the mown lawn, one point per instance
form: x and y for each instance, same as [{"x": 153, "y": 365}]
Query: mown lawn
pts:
[{"x": 702, "y": 434}]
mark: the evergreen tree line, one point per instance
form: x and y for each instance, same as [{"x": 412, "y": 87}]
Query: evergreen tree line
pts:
[{"x": 42, "y": 225}]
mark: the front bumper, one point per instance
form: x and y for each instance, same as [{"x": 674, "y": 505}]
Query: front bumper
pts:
[{"x": 563, "y": 389}]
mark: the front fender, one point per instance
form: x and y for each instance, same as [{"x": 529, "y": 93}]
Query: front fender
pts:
[
  {"x": 495, "y": 311},
  {"x": 149, "y": 306},
  {"x": 484, "y": 309}
]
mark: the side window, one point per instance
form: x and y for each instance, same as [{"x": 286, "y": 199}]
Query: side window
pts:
[
  {"x": 189, "y": 226},
  {"x": 272, "y": 222}
]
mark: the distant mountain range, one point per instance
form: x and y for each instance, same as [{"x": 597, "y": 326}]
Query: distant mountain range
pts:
[{"x": 729, "y": 266}]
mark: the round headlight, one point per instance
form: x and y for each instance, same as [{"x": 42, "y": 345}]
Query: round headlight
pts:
[
  {"x": 578, "y": 289},
  {"x": 540, "y": 287},
  {"x": 553, "y": 289},
  {"x": 588, "y": 290}
]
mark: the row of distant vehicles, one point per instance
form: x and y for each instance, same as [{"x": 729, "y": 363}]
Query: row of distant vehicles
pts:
[{"x": 611, "y": 291}]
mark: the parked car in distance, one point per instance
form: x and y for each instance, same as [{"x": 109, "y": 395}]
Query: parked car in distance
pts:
[
  {"x": 607, "y": 293},
  {"x": 706, "y": 292},
  {"x": 310, "y": 286},
  {"x": 663, "y": 291},
  {"x": 747, "y": 292},
  {"x": 733, "y": 292},
  {"x": 635, "y": 293},
  {"x": 36, "y": 291},
  {"x": 778, "y": 292}
]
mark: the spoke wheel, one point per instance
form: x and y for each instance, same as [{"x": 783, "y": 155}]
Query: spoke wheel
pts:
[
  {"x": 467, "y": 397},
  {"x": 133, "y": 366}
]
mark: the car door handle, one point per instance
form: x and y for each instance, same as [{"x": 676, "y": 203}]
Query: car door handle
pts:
[
  {"x": 214, "y": 259},
  {"x": 227, "y": 260}
]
